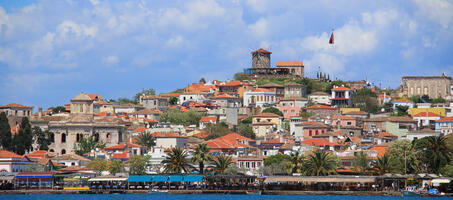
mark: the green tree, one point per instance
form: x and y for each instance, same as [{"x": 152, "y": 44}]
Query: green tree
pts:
[
  {"x": 175, "y": 116},
  {"x": 23, "y": 141},
  {"x": 321, "y": 163},
  {"x": 116, "y": 166},
  {"x": 434, "y": 152},
  {"x": 279, "y": 158},
  {"x": 144, "y": 92},
  {"x": 447, "y": 170},
  {"x": 273, "y": 110},
  {"x": 361, "y": 162},
  {"x": 173, "y": 100},
  {"x": 35, "y": 167},
  {"x": 280, "y": 168},
  {"x": 5, "y": 132},
  {"x": 217, "y": 130},
  {"x": 138, "y": 164},
  {"x": 401, "y": 110},
  {"x": 246, "y": 131},
  {"x": 42, "y": 138},
  {"x": 247, "y": 120},
  {"x": 221, "y": 163},
  {"x": 234, "y": 170},
  {"x": 241, "y": 76},
  {"x": 86, "y": 144},
  {"x": 146, "y": 139},
  {"x": 306, "y": 114},
  {"x": 125, "y": 101},
  {"x": 295, "y": 162},
  {"x": 58, "y": 109},
  {"x": 383, "y": 164},
  {"x": 439, "y": 100},
  {"x": 176, "y": 161},
  {"x": 98, "y": 164},
  {"x": 201, "y": 156},
  {"x": 403, "y": 157},
  {"x": 366, "y": 100}
]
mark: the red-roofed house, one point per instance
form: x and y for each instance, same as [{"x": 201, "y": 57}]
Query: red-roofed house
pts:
[
  {"x": 95, "y": 97},
  {"x": 445, "y": 125},
  {"x": 403, "y": 102},
  {"x": 260, "y": 97},
  {"x": 322, "y": 110},
  {"x": 232, "y": 143},
  {"x": 125, "y": 150},
  {"x": 226, "y": 100},
  {"x": 204, "y": 121},
  {"x": 14, "y": 109},
  {"x": 426, "y": 119},
  {"x": 344, "y": 121},
  {"x": 11, "y": 162},
  {"x": 322, "y": 143},
  {"x": 384, "y": 98},
  {"x": 309, "y": 129},
  {"x": 342, "y": 96}
]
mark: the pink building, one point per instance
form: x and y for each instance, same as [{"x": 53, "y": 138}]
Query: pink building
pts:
[{"x": 344, "y": 121}]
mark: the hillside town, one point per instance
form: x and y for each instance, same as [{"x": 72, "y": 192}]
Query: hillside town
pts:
[{"x": 269, "y": 127}]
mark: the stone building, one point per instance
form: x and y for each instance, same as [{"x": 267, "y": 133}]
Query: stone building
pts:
[
  {"x": 80, "y": 123},
  {"x": 261, "y": 59},
  {"x": 294, "y": 90},
  {"x": 433, "y": 86},
  {"x": 294, "y": 67},
  {"x": 17, "y": 110},
  {"x": 154, "y": 102}
]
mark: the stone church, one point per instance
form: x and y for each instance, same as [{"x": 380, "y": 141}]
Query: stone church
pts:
[
  {"x": 81, "y": 122},
  {"x": 433, "y": 86}
]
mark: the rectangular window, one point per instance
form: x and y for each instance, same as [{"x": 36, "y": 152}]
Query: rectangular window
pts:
[
  {"x": 253, "y": 164},
  {"x": 247, "y": 165},
  {"x": 309, "y": 133},
  {"x": 349, "y": 123}
]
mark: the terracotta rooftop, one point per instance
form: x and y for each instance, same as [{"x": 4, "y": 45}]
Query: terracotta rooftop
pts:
[
  {"x": 230, "y": 141},
  {"x": 93, "y": 97},
  {"x": 122, "y": 146},
  {"x": 166, "y": 135},
  {"x": 297, "y": 63},
  {"x": 262, "y": 90},
  {"x": 71, "y": 157},
  {"x": 8, "y": 154},
  {"x": 208, "y": 119},
  {"x": 445, "y": 119},
  {"x": 424, "y": 114},
  {"x": 140, "y": 129},
  {"x": 224, "y": 96},
  {"x": 319, "y": 142},
  {"x": 320, "y": 107},
  {"x": 265, "y": 114},
  {"x": 402, "y": 101},
  {"x": 319, "y": 93},
  {"x": 341, "y": 89},
  {"x": 261, "y": 50},
  {"x": 15, "y": 105},
  {"x": 379, "y": 149}
]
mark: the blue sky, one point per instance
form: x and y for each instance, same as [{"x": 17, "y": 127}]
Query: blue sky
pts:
[{"x": 52, "y": 50}]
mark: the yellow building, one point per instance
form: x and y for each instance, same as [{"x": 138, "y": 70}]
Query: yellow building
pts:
[
  {"x": 415, "y": 111},
  {"x": 346, "y": 110},
  {"x": 266, "y": 123}
]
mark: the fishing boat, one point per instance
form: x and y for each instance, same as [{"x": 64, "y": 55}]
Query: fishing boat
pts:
[
  {"x": 256, "y": 192},
  {"x": 410, "y": 191},
  {"x": 157, "y": 191}
]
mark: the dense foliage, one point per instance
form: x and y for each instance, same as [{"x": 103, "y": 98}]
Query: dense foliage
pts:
[{"x": 175, "y": 116}]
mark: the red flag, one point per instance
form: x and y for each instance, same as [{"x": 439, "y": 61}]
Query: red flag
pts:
[{"x": 331, "y": 39}]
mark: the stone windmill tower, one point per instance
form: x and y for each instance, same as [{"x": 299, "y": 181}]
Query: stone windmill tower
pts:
[{"x": 261, "y": 59}]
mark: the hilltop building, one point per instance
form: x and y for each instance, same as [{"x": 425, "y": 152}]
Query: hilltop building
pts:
[
  {"x": 261, "y": 66},
  {"x": 433, "y": 86}
]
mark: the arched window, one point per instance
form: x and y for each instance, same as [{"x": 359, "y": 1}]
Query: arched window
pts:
[
  {"x": 51, "y": 150},
  {"x": 63, "y": 152},
  {"x": 108, "y": 135},
  {"x": 63, "y": 138}
]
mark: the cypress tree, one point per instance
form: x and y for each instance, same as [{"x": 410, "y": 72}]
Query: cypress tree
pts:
[
  {"x": 5, "y": 132},
  {"x": 23, "y": 141}
]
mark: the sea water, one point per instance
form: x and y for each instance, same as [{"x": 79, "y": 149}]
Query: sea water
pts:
[{"x": 199, "y": 197}]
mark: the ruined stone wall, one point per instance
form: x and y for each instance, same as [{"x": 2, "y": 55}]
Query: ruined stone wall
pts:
[{"x": 434, "y": 87}]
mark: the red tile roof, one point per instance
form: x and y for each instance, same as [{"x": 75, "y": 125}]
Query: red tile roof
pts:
[
  {"x": 261, "y": 50},
  {"x": 385, "y": 134},
  {"x": 166, "y": 135},
  {"x": 208, "y": 119},
  {"x": 319, "y": 142},
  {"x": 14, "y": 105},
  {"x": 423, "y": 114},
  {"x": 446, "y": 119},
  {"x": 233, "y": 83},
  {"x": 262, "y": 90},
  {"x": 124, "y": 155},
  {"x": 273, "y": 141},
  {"x": 140, "y": 130},
  {"x": 341, "y": 89},
  {"x": 297, "y": 63},
  {"x": 402, "y": 101},
  {"x": 37, "y": 154},
  {"x": 201, "y": 135},
  {"x": 150, "y": 120},
  {"x": 224, "y": 96},
  {"x": 230, "y": 141},
  {"x": 320, "y": 107},
  {"x": 268, "y": 115},
  {"x": 101, "y": 114},
  {"x": 379, "y": 149},
  {"x": 8, "y": 154},
  {"x": 93, "y": 97}
]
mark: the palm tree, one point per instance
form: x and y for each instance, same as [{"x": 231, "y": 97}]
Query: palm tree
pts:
[
  {"x": 436, "y": 152},
  {"x": 321, "y": 164},
  {"x": 221, "y": 163},
  {"x": 176, "y": 161},
  {"x": 201, "y": 156},
  {"x": 146, "y": 139},
  {"x": 116, "y": 166},
  {"x": 382, "y": 164},
  {"x": 295, "y": 162},
  {"x": 361, "y": 162}
]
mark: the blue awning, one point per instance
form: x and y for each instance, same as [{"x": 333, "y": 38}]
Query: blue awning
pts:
[
  {"x": 160, "y": 178},
  {"x": 193, "y": 178},
  {"x": 176, "y": 178},
  {"x": 139, "y": 178}
]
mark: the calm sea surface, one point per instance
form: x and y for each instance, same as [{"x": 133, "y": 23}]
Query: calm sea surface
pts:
[{"x": 201, "y": 197}]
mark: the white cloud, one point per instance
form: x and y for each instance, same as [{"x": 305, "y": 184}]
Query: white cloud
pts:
[
  {"x": 69, "y": 29},
  {"x": 439, "y": 11},
  {"x": 328, "y": 63},
  {"x": 111, "y": 60},
  {"x": 175, "y": 41},
  {"x": 259, "y": 28}
]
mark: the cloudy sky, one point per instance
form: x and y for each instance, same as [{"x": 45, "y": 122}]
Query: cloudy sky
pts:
[{"x": 52, "y": 50}]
